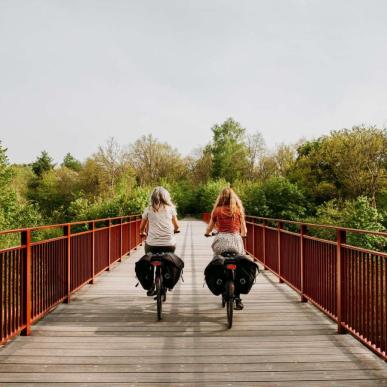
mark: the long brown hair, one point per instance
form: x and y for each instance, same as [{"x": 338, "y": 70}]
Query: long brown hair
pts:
[{"x": 228, "y": 198}]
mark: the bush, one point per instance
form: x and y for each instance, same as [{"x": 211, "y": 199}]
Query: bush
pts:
[
  {"x": 284, "y": 200},
  {"x": 252, "y": 196},
  {"x": 356, "y": 213}
]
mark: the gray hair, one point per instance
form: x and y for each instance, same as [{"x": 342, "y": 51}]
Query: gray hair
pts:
[{"x": 160, "y": 197}]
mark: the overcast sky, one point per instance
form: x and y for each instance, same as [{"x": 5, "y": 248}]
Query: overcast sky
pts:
[{"x": 75, "y": 72}]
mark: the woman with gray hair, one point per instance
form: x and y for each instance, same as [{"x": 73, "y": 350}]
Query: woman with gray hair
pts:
[{"x": 160, "y": 218}]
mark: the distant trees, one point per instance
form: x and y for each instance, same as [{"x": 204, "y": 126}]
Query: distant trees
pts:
[
  {"x": 338, "y": 179},
  {"x": 344, "y": 165}
]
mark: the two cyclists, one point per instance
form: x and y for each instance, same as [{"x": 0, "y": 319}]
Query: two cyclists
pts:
[{"x": 158, "y": 225}]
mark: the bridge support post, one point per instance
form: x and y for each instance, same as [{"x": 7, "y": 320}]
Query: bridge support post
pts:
[
  {"x": 280, "y": 225},
  {"x": 302, "y": 262},
  {"x": 341, "y": 239},
  {"x": 26, "y": 240}
]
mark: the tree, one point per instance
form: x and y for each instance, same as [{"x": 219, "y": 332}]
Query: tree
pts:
[
  {"x": 200, "y": 165},
  {"x": 71, "y": 162},
  {"x": 358, "y": 158},
  {"x": 15, "y": 211},
  {"x": 154, "y": 161},
  {"x": 42, "y": 164},
  {"x": 284, "y": 200},
  {"x": 111, "y": 160},
  {"x": 255, "y": 145},
  {"x": 229, "y": 152}
]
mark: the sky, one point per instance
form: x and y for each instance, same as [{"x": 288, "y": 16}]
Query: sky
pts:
[{"x": 75, "y": 72}]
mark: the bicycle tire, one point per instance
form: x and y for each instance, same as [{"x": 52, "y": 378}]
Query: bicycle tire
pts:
[
  {"x": 159, "y": 302},
  {"x": 230, "y": 302}
]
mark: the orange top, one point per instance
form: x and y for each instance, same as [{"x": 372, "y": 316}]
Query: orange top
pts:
[{"x": 225, "y": 221}]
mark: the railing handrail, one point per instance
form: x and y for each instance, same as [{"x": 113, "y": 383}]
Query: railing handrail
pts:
[
  {"x": 58, "y": 225},
  {"x": 318, "y": 225}
]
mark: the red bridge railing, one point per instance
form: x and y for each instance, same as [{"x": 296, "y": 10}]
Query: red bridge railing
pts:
[
  {"x": 35, "y": 276},
  {"x": 348, "y": 283}
]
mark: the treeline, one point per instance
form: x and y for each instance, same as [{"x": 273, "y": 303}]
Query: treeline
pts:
[{"x": 336, "y": 179}]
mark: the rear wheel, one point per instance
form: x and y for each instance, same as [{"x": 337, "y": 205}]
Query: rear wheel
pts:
[
  {"x": 230, "y": 302},
  {"x": 159, "y": 285}
]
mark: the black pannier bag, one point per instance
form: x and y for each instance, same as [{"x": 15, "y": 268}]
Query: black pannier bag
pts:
[
  {"x": 245, "y": 274},
  {"x": 144, "y": 272},
  {"x": 171, "y": 269},
  {"x": 215, "y": 274}
]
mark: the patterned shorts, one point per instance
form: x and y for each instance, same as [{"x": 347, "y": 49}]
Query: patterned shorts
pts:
[{"x": 225, "y": 241}]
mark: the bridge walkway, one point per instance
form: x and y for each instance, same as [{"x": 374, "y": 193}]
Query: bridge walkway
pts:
[{"x": 108, "y": 335}]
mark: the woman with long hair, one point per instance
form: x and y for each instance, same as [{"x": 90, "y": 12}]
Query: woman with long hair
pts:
[
  {"x": 160, "y": 218},
  {"x": 228, "y": 217}
]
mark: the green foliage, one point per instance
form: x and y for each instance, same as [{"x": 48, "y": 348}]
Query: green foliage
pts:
[
  {"x": 338, "y": 179},
  {"x": 207, "y": 193},
  {"x": 344, "y": 165},
  {"x": 358, "y": 214},
  {"x": 229, "y": 151},
  {"x": 43, "y": 163},
  {"x": 252, "y": 196},
  {"x": 53, "y": 192},
  {"x": 15, "y": 212},
  {"x": 284, "y": 200},
  {"x": 71, "y": 162}
]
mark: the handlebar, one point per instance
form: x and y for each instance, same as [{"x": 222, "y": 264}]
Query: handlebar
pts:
[
  {"x": 143, "y": 234},
  {"x": 216, "y": 233}
]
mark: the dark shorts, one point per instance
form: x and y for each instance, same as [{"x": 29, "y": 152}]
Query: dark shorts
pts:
[{"x": 159, "y": 249}]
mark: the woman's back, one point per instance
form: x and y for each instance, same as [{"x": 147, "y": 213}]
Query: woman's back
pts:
[
  {"x": 225, "y": 220},
  {"x": 160, "y": 226}
]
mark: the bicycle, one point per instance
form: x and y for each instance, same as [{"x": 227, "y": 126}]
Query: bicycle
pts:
[
  {"x": 228, "y": 293},
  {"x": 161, "y": 292}
]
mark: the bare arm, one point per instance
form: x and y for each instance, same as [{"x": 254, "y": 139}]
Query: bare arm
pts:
[
  {"x": 175, "y": 223},
  {"x": 144, "y": 223},
  {"x": 210, "y": 226},
  {"x": 243, "y": 226}
]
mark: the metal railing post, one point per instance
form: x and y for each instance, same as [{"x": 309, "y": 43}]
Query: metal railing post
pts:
[
  {"x": 279, "y": 227},
  {"x": 120, "y": 259},
  {"x": 264, "y": 244},
  {"x": 67, "y": 232},
  {"x": 341, "y": 238},
  {"x": 26, "y": 240},
  {"x": 92, "y": 228},
  {"x": 253, "y": 246},
  {"x": 109, "y": 243},
  {"x": 302, "y": 262}
]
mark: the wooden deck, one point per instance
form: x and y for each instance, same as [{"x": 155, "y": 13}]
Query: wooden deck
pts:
[{"x": 109, "y": 335}]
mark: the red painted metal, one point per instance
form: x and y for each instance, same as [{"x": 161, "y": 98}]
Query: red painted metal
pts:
[
  {"x": 348, "y": 283},
  {"x": 37, "y": 276}
]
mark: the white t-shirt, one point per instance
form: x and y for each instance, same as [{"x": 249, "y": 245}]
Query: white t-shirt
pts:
[{"x": 160, "y": 227}]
